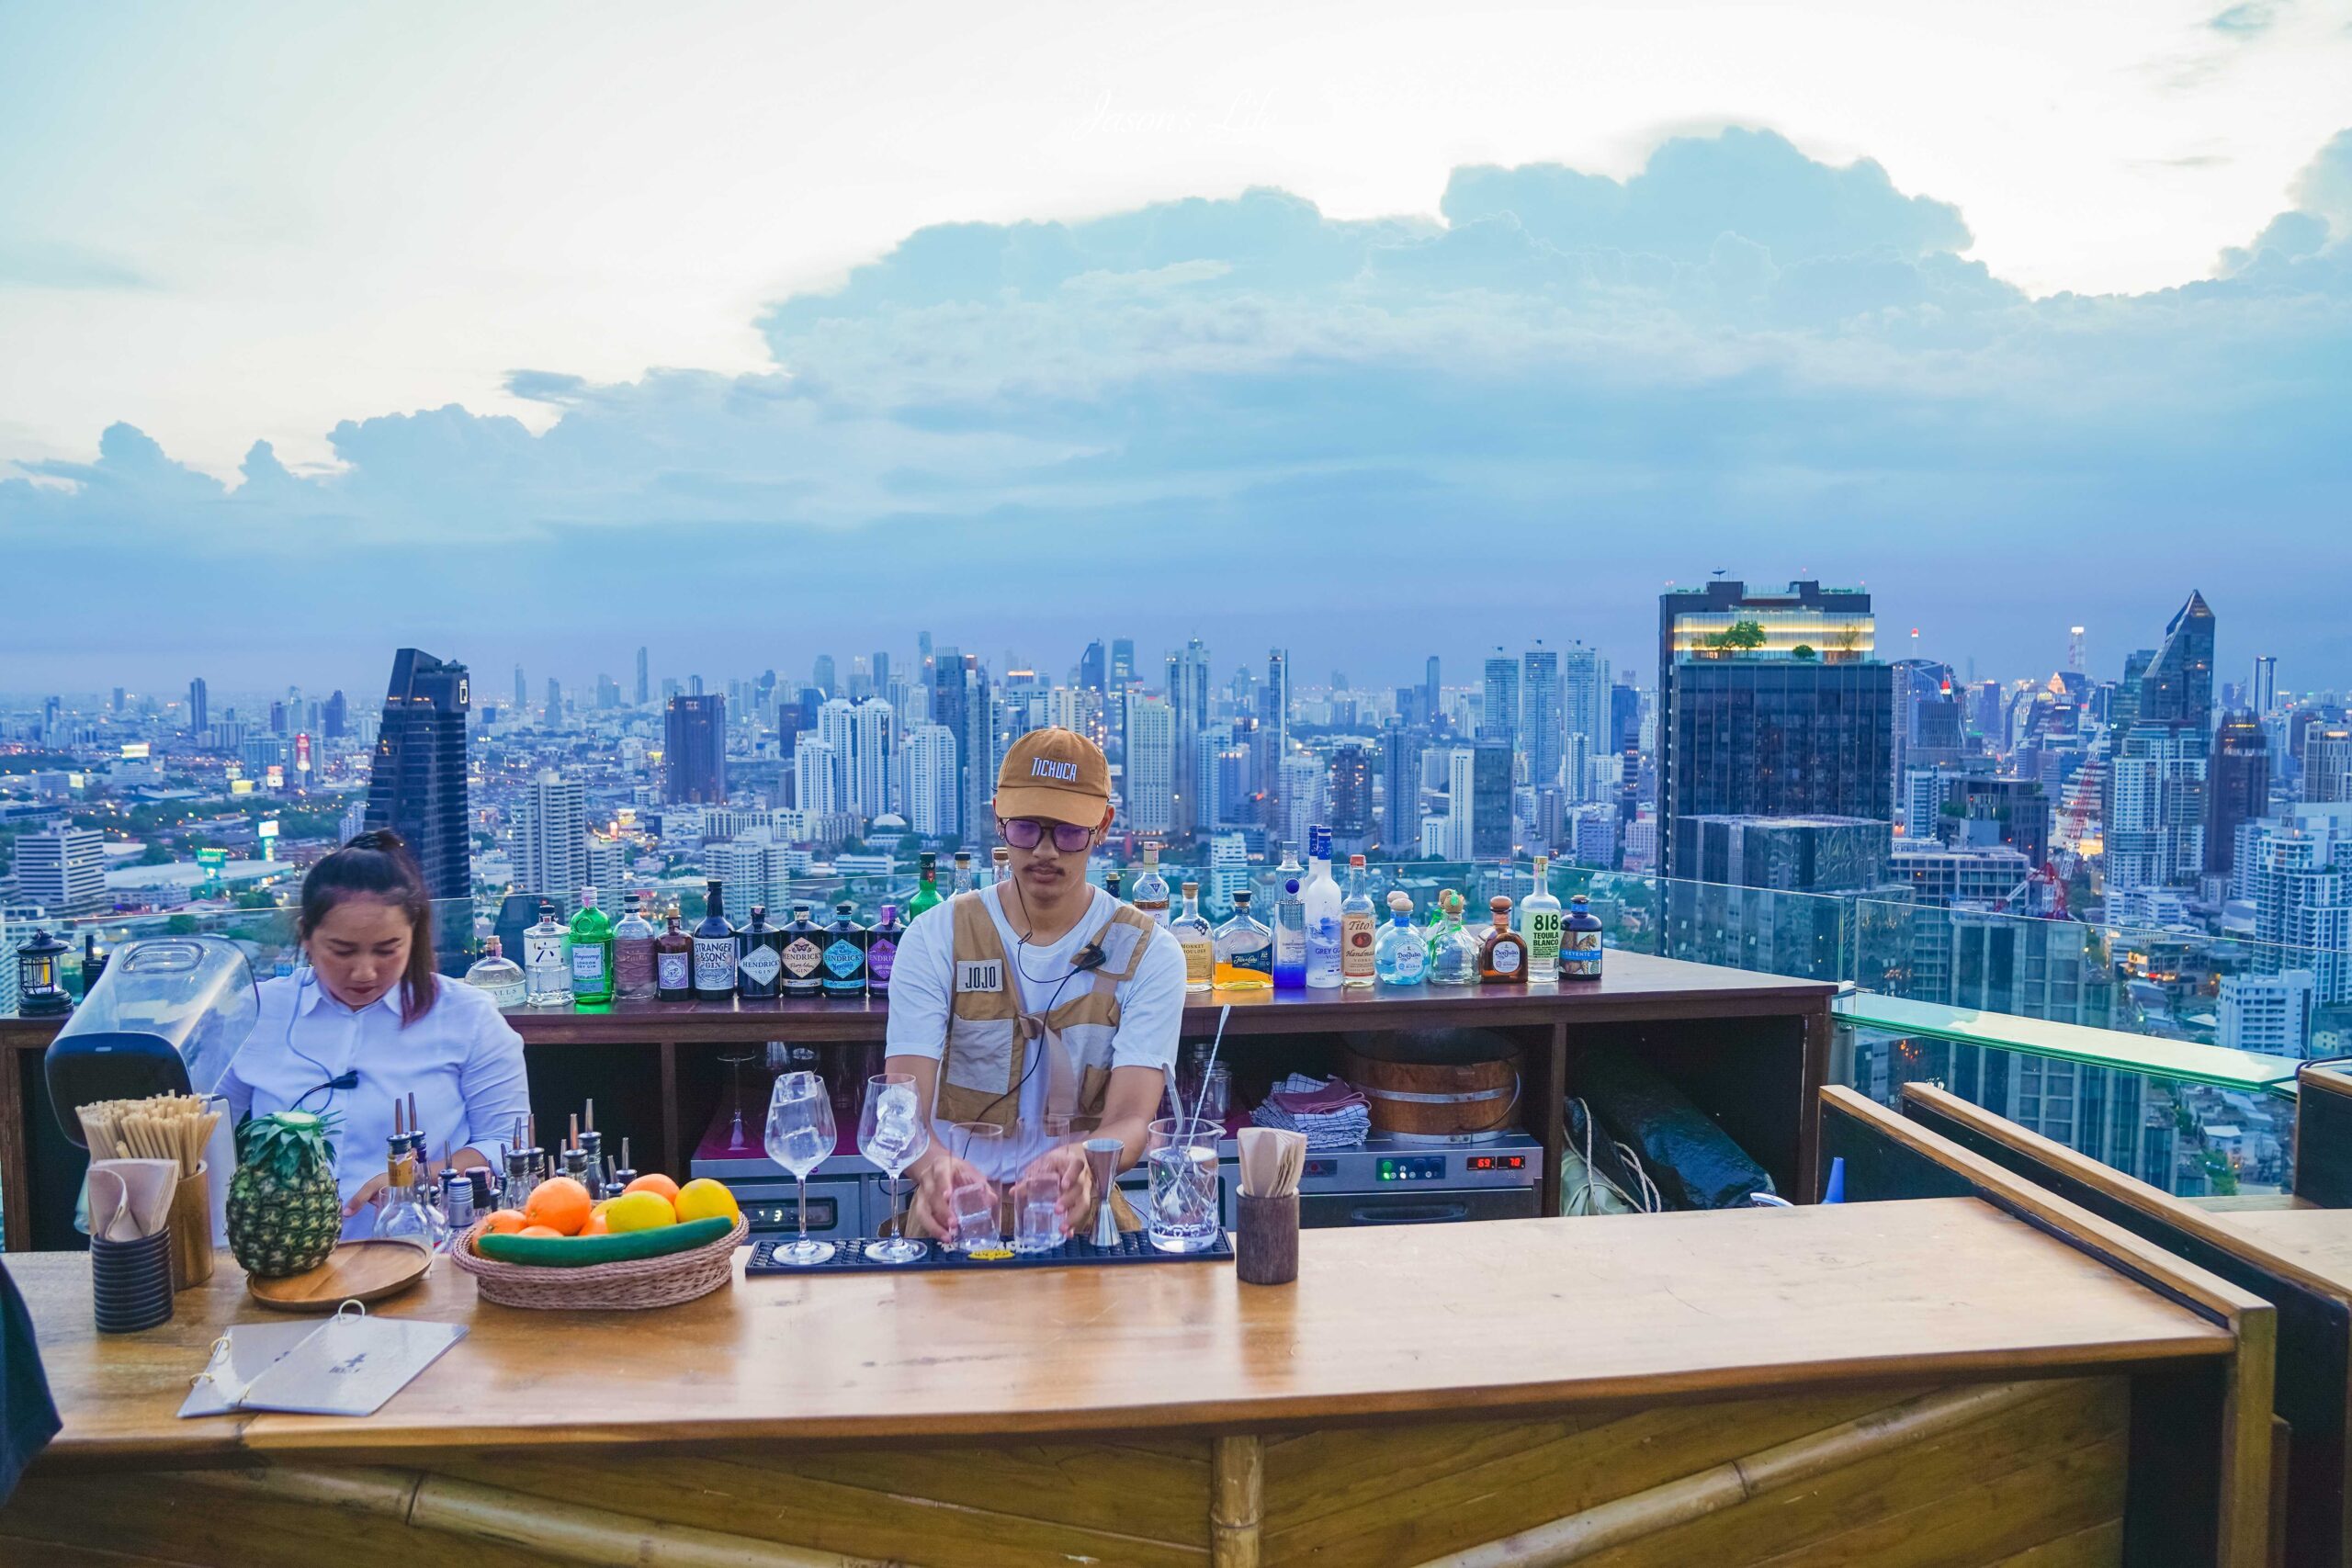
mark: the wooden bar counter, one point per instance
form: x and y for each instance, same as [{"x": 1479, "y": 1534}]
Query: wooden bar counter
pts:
[{"x": 1941, "y": 1381}]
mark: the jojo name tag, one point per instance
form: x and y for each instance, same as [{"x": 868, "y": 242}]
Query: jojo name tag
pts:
[{"x": 981, "y": 975}]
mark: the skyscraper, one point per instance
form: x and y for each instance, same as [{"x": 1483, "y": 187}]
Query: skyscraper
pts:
[
  {"x": 1188, "y": 709},
  {"x": 418, "y": 786},
  {"x": 1490, "y": 775},
  {"x": 2327, "y": 763},
  {"x": 823, "y": 677},
  {"x": 1149, "y": 782},
  {"x": 930, "y": 758},
  {"x": 335, "y": 717},
  {"x": 64, "y": 870},
  {"x": 694, "y": 750},
  {"x": 2262, "y": 693},
  {"x": 1434, "y": 712},
  {"x": 2238, "y": 786},
  {"x": 1093, "y": 667},
  {"x": 951, "y": 708},
  {"x": 2178, "y": 686},
  {"x": 199, "y": 705},
  {"x": 1122, "y": 661},
  {"x": 1400, "y": 790},
  {"x": 1350, "y": 788},
  {"x": 522, "y": 692},
  {"x": 1541, "y": 725},
  {"x": 1273, "y": 727},
  {"x": 644, "y": 680},
  {"x": 1584, "y": 703},
  {"x": 1498, "y": 705},
  {"x": 555, "y": 701},
  {"x": 1770, "y": 704},
  {"x": 2155, "y": 824},
  {"x": 551, "y": 850},
  {"x": 864, "y": 744}
]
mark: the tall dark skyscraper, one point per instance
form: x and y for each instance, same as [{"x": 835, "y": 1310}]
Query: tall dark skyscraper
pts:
[
  {"x": 694, "y": 750},
  {"x": 1498, "y": 702},
  {"x": 951, "y": 705},
  {"x": 880, "y": 667},
  {"x": 2177, "y": 688},
  {"x": 1188, "y": 701},
  {"x": 2237, "y": 787},
  {"x": 335, "y": 717},
  {"x": 1400, "y": 790},
  {"x": 1770, "y": 705},
  {"x": 199, "y": 704},
  {"x": 1351, "y": 798},
  {"x": 418, "y": 788},
  {"x": 1430, "y": 691},
  {"x": 1490, "y": 778},
  {"x": 522, "y": 692},
  {"x": 1093, "y": 667},
  {"x": 644, "y": 680},
  {"x": 824, "y": 677}
]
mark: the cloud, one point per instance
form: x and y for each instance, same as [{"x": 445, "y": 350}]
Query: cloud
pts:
[
  {"x": 1532, "y": 410},
  {"x": 2249, "y": 18},
  {"x": 30, "y": 262}
]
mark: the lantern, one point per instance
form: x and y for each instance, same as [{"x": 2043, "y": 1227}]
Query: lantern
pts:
[{"x": 40, "y": 978}]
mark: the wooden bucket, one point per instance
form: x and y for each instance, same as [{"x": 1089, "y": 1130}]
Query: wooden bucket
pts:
[{"x": 1437, "y": 1099}]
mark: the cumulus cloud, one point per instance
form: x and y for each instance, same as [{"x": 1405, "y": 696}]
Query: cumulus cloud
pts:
[{"x": 1738, "y": 352}]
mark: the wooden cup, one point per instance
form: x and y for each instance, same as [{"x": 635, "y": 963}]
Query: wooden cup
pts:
[
  {"x": 1266, "y": 1249},
  {"x": 191, "y": 1227}
]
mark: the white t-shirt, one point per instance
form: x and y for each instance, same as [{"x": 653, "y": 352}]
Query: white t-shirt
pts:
[{"x": 922, "y": 987}]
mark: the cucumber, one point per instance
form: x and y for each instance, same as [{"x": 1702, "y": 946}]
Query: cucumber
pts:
[{"x": 580, "y": 1251}]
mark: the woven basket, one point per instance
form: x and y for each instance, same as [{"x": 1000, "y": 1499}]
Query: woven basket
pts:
[{"x": 631, "y": 1286}]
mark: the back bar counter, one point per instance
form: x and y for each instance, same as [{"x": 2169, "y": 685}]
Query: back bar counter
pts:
[{"x": 1751, "y": 1050}]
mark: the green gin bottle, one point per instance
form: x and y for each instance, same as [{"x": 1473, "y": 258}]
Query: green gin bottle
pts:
[
  {"x": 592, "y": 952},
  {"x": 926, "y": 888}
]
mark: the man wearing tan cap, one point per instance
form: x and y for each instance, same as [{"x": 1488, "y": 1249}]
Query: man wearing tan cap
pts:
[{"x": 1036, "y": 999}]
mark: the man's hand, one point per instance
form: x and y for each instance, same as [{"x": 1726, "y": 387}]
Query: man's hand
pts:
[
  {"x": 929, "y": 1211},
  {"x": 1068, "y": 1162}
]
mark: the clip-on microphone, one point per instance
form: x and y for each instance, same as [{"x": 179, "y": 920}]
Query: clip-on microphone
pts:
[{"x": 1090, "y": 956}]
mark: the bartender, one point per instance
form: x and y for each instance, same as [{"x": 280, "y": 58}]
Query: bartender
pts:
[
  {"x": 1040, "y": 996},
  {"x": 366, "y": 1024}
]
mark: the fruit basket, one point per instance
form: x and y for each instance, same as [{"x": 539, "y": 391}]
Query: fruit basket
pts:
[{"x": 630, "y": 1286}]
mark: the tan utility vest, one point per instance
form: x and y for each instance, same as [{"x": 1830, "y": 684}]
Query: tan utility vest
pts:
[{"x": 992, "y": 1043}]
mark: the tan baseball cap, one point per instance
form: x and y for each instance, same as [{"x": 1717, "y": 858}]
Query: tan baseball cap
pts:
[{"x": 1057, "y": 775}]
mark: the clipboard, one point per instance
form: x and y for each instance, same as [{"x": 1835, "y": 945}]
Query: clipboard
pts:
[{"x": 349, "y": 1365}]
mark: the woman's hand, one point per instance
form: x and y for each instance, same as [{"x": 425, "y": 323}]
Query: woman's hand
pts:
[
  {"x": 929, "y": 1211},
  {"x": 1068, "y": 1162},
  {"x": 370, "y": 1191}
]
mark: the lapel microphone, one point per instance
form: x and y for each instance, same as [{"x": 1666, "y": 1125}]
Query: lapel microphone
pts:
[{"x": 1090, "y": 956}]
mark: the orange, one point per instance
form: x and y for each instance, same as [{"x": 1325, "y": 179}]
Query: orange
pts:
[
  {"x": 596, "y": 1225},
  {"x": 560, "y": 1203},
  {"x": 655, "y": 1183},
  {"x": 505, "y": 1222},
  {"x": 541, "y": 1231}
]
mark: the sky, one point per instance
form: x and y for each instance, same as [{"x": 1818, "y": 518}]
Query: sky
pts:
[{"x": 752, "y": 332}]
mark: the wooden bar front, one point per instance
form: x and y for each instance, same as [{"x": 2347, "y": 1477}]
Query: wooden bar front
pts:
[{"x": 1933, "y": 1382}]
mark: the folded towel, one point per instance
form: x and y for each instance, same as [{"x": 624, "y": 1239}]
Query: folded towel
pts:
[{"x": 1334, "y": 1116}]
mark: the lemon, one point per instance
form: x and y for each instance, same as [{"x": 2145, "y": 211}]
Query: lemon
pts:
[
  {"x": 703, "y": 1199},
  {"x": 639, "y": 1211}
]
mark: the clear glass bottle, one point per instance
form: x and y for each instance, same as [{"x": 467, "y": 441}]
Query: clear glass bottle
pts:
[
  {"x": 674, "y": 960},
  {"x": 1192, "y": 935},
  {"x": 1245, "y": 950},
  {"x": 845, "y": 945},
  {"x": 715, "y": 947},
  {"x": 633, "y": 953},
  {"x": 1502, "y": 953},
  {"x": 1321, "y": 897},
  {"x": 1000, "y": 866},
  {"x": 804, "y": 956},
  {"x": 1151, "y": 886},
  {"x": 1111, "y": 883},
  {"x": 1539, "y": 922},
  {"x": 759, "y": 957},
  {"x": 1290, "y": 923},
  {"x": 1401, "y": 952},
  {"x": 592, "y": 952},
  {"x": 499, "y": 975},
  {"x": 882, "y": 951},
  {"x": 458, "y": 1215},
  {"x": 1580, "y": 944},
  {"x": 963, "y": 882},
  {"x": 404, "y": 1216},
  {"x": 927, "y": 894},
  {"x": 547, "y": 977},
  {"x": 1454, "y": 950},
  {"x": 1357, "y": 962}
]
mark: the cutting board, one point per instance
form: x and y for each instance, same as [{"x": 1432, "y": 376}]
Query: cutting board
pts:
[{"x": 355, "y": 1271}]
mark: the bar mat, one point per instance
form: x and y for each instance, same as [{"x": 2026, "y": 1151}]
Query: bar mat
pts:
[{"x": 849, "y": 1257}]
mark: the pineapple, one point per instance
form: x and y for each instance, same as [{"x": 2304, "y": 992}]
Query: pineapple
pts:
[{"x": 285, "y": 1214}]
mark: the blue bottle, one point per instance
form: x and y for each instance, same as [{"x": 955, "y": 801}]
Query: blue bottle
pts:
[{"x": 1290, "y": 926}]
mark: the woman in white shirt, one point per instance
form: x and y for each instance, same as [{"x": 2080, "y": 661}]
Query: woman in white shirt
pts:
[{"x": 367, "y": 1023}]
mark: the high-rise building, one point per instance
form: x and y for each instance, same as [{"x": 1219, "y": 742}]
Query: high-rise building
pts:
[
  {"x": 2262, "y": 693},
  {"x": 2327, "y": 763},
  {"x": 880, "y": 665},
  {"x": 1490, "y": 800},
  {"x": 64, "y": 870},
  {"x": 1273, "y": 723},
  {"x": 817, "y": 776},
  {"x": 334, "y": 717},
  {"x": 551, "y": 850},
  {"x": 1093, "y": 667},
  {"x": 2270, "y": 1013},
  {"x": 1433, "y": 709},
  {"x": 2154, "y": 822},
  {"x": 823, "y": 677},
  {"x": 199, "y": 706},
  {"x": 2238, "y": 786},
  {"x": 1400, "y": 790},
  {"x": 644, "y": 680},
  {"x": 1188, "y": 707},
  {"x": 694, "y": 750},
  {"x": 608, "y": 693},
  {"x": 1122, "y": 661},
  {"x": 1770, "y": 705},
  {"x": 1150, "y": 784},
  {"x": 931, "y": 780},
  {"x": 522, "y": 692},
  {"x": 2298, "y": 873},
  {"x": 1540, "y": 719},
  {"x": 1742, "y": 899},
  {"x": 862, "y": 742},
  {"x": 554, "y": 711},
  {"x": 2177, "y": 688},
  {"x": 1498, "y": 702},
  {"x": 418, "y": 786}
]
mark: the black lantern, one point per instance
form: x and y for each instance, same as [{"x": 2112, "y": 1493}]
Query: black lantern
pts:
[{"x": 40, "y": 978}]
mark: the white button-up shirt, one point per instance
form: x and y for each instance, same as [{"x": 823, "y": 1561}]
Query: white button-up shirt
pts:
[{"x": 462, "y": 1060}]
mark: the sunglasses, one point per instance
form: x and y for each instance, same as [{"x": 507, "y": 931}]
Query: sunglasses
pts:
[{"x": 1023, "y": 834}]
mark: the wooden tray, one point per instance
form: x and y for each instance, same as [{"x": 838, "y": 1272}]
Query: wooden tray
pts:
[{"x": 354, "y": 1271}]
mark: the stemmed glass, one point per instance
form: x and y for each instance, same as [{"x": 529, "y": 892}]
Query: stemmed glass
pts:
[
  {"x": 893, "y": 1132},
  {"x": 800, "y": 1135}
]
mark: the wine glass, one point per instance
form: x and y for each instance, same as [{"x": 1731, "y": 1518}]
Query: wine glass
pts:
[
  {"x": 799, "y": 1137},
  {"x": 893, "y": 1132}
]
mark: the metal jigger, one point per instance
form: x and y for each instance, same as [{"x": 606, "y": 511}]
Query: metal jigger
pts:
[{"x": 1102, "y": 1167}]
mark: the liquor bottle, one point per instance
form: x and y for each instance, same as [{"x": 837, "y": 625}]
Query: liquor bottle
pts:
[
  {"x": 1151, "y": 887},
  {"x": 1321, "y": 897},
  {"x": 926, "y": 887},
  {"x": 1400, "y": 953},
  {"x": 804, "y": 955},
  {"x": 499, "y": 975},
  {"x": 1290, "y": 924},
  {"x": 1580, "y": 944},
  {"x": 592, "y": 952},
  {"x": 1503, "y": 957},
  {"x": 1192, "y": 934},
  {"x": 1356, "y": 958},
  {"x": 1245, "y": 950},
  {"x": 759, "y": 957},
  {"x": 963, "y": 882},
  {"x": 1539, "y": 921},
  {"x": 403, "y": 1216},
  {"x": 674, "y": 960},
  {"x": 1111, "y": 883},
  {"x": 882, "y": 951},
  {"x": 715, "y": 951},
  {"x": 845, "y": 950},
  {"x": 1000, "y": 866},
  {"x": 633, "y": 953},
  {"x": 1454, "y": 950},
  {"x": 93, "y": 963},
  {"x": 547, "y": 981}
]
